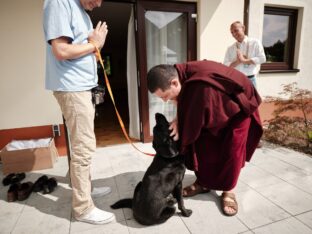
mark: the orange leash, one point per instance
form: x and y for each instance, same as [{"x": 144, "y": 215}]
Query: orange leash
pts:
[{"x": 112, "y": 98}]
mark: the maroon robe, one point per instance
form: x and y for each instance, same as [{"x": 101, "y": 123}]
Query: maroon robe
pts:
[{"x": 219, "y": 122}]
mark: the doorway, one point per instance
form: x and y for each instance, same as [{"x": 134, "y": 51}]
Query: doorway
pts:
[
  {"x": 114, "y": 53},
  {"x": 141, "y": 34}
]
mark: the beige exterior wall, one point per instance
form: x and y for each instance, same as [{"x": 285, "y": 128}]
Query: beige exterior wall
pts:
[
  {"x": 23, "y": 100},
  {"x": 213, "y": 29},
  {"x": 270, "y": 84},
  {"x": 215, "y": 16}
]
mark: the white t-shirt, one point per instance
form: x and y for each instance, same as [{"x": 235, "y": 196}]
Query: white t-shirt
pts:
[{"x": 67, "y": 18}]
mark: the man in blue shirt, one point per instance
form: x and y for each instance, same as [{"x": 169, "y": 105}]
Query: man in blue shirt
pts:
[{"x": 71, "y": 72}]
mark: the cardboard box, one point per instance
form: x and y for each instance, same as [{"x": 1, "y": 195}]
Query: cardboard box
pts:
[{"x": 28, "y": 159}]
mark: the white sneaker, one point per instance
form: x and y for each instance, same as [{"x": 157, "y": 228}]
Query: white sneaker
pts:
[
  {"x": 100, "y": 191},
  {"x": 97, "y": 216}
]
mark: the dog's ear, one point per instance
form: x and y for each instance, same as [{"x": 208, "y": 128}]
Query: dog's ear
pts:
[{"x": 161, "y": 119}]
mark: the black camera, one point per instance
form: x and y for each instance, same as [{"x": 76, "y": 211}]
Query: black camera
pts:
[{"x": 98, "y": 94}]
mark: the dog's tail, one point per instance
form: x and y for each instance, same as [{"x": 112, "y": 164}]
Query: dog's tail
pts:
[{"x": 123, "y": 203}]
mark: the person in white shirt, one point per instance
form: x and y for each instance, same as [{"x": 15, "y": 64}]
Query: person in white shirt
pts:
[{"x": 246, "y": 54}]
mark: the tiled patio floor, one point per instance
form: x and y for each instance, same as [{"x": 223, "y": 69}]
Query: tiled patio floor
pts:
[{"x": 274, "y": 195}]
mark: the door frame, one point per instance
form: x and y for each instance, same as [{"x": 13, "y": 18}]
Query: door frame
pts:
[{"x": 140, "y": 7}]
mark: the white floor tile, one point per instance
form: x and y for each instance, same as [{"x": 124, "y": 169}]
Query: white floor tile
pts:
[
  {"x": 128, "y": 181},
  {"x": 287, "y": 226},
  {"x": 7, "y": 222},
  {"x": 48, "y": 221},
  {"x": 292, "y": 157},
  {"x": 207, "y": 216},
  {"x": 49, "y": 203},
  {"x": 255, "y": 210},
  {"x": 110, "y": 228},
  {"x": 172, "y": 225},
  {"x": 9, "y": 208},
  {"x": 276, "y": 184},
  {"x": 304, "y": 183},
  {"x": 288, "y": 197},
  {"x": 257, "y": 177},
  {"x": 306, "y": 218},
  {"x": 282, "y": 169}
]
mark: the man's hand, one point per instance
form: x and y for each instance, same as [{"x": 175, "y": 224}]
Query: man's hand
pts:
[
  {"x": 98, "y": 35},
  {"x": 235, "y": 63},
  {"x": 241, "y": 57},
  {"x": 174, "y": 127}
]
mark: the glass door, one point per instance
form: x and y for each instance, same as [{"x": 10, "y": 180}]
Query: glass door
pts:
[{"x": 166, "y": 35}]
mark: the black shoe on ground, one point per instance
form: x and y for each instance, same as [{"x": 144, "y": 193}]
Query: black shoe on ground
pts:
[
  {"x": 24, "y": 191},
  {"x": 49, "y": 186},
  {"x": 7, "y": 180},
  {"x": 38, "y": 185},
  {"x": 13, "y": 178},
  {"x": 12, "y": 192}
]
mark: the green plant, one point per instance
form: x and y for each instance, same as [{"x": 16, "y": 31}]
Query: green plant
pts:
[{"x": 283, "y": 128}]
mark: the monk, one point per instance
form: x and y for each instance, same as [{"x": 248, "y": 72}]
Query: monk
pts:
[{"x": 217, "y": 122}]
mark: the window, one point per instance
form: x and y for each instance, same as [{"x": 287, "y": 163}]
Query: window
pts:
[{"x": 279, "y": 34}]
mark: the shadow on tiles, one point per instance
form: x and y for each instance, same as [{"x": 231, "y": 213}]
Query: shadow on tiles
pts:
[{"x": 58, "y": 203}]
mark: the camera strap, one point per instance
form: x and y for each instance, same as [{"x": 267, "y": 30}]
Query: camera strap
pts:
[{"x": 109, "y": 89}]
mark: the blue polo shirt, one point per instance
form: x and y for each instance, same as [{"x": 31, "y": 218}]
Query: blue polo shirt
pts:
[{"x": 67, "y": 18}]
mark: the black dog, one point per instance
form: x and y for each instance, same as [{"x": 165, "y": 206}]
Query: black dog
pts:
[{"x": 154, "y": 197}]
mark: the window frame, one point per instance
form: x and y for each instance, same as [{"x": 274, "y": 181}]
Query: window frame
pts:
[{"x": 292, "y": 30}]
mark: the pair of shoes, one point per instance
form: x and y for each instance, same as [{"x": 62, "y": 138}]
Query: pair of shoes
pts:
[
  {"x": 228, "y": 200},
  {"x": 12, "y": 192},
  {"x": 45, "y": 184},
  {"x": 100, "y": 191},
  {"x": 49, "y": 186},
  {"x": 97, "y": 216},
  {"x": 38, "y": 185},
  {"x": 194, "y": 189},
  {"x": 24, "y": 191},
  {"x": 13, "y": 178}
]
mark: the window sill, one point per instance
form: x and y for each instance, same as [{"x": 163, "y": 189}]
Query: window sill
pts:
[{"x": 279, "y": 71}]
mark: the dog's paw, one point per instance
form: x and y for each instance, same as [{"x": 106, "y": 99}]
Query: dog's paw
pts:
[{"x": 186, "y": 212}]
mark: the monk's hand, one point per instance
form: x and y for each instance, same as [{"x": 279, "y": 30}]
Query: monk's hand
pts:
[{"x": 174, "y": 129}]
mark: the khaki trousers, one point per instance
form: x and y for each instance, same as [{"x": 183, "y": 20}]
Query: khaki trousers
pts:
[{"x": 78, "y": 111}]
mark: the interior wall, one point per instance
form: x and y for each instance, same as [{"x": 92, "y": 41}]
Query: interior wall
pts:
[
  {"x": 118, "y": 79},
  {"x": 24, "y": 101},
  {"x": 116, "y": 15}
]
